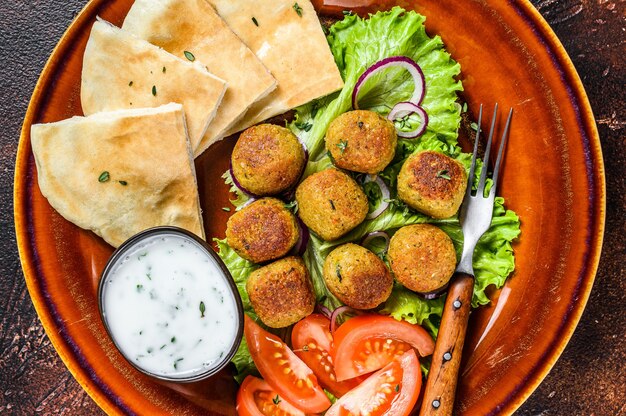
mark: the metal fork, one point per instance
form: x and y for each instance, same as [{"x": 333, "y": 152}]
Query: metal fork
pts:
[{"x": 476, "y": 212}]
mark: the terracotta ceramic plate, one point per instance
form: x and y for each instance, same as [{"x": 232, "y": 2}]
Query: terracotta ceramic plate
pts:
[{"x": 553, "y": 179}]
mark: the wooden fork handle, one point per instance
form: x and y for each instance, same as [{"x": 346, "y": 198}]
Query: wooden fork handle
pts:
[{"x": 443, "y": 375}]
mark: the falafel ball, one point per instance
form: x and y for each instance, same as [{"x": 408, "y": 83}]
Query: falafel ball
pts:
[
  {"x": 422, "y": 257},
  {"x": 331, "y": 203},
  {"x": 281, "y": 293},
  {"x": 357, "y": 277},
  {"x": 264, "y": 230},
  {"x": 267, "y": 159},
  {"x": 362, "y": 141},
  {"x": 432, "y": 183}
]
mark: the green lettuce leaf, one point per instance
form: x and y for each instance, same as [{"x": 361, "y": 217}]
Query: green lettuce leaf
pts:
[{"x": 356, "y": 44}]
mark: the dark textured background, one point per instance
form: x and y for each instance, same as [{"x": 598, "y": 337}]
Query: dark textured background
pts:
[{"x": 588, "y": 379}]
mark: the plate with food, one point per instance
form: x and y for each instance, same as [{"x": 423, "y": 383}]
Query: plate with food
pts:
[{"x": 247, "y": 207}]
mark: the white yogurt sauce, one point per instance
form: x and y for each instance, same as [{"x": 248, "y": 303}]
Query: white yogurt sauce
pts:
[{"x": 168, "y": 307}]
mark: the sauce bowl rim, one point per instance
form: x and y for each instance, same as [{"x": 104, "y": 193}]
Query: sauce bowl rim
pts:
[{"x": 180, "y": 232}]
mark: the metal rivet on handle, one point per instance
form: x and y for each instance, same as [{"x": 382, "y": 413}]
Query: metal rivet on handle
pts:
[
  {"x": 457, "y": 304},
  {"x": 436, "y": 404},
  {"x": 447, "y": 356}
]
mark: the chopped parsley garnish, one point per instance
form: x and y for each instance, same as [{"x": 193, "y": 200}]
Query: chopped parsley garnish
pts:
[
  {"x": 130, "y": 84},
  {"x": 176, "y": 363},
  {"x": 397, "y": 388},
  {"x": 123, "y": 183},
  {"x": 255, "y": 21},
  {"x": 347, "y": 12},
  {"x": 293, "y": 205},
  {"x": 104, "y": 176},
  {"x": 276, "y": 400},
  {"x": 332, "y": 204},
  {"x": 154, "y": 92},
  {"x": 226, "y": 209},
  {"x": 173, "y": 340},
  {"x": 306, "y": 126},
  {"x": 164, "y": 70},
  {"x": 298, "y": 9},
  {"x": 139, "y": 288},
  {"x": 202, "y": 309},
  {"x": 190, "y": 56},
  {"x": 342, "y": 145},
  {"x": 444, "y": 174}
]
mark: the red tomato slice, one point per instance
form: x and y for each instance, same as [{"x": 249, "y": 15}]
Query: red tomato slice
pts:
[
  {"x": 283, "y": 370},
  {"x": 368, "y": 342},
  {"x": 391, "y": 391},
  {"x": 312, "y": 342},
  {"x": 256, "y": 398}
]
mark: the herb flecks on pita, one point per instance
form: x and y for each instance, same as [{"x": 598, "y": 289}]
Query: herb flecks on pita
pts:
[
  {"x": 193, "y": 31},
  {"x": 118, "y": 173},
  {"x": 121, "y": 71}
]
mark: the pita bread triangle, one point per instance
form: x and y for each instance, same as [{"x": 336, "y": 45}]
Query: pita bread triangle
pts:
[
  {"x": 118, "y": 173},
  {"x": 121, "y": 71},
  {"x": 290, "y": 42},
  {"x": 191, "y": 29}
]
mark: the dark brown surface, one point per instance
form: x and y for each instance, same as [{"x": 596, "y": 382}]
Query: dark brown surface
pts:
[{"x": 589, "y": 378}]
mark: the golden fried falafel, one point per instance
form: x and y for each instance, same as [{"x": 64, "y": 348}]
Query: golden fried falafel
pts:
[
  {"x": 331, "y": 203},
  {"x": 432, "y": 183},
  {"x": 267, "y": 159},
  {"x": 422, "y": 257},
  {"x": 281, "y": 293},
  {"x": 357, "y": 277},
  {"x": 361, "y": 141},
  {"x": 264, "y": 230}
]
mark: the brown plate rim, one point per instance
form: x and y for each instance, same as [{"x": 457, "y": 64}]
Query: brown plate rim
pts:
[{"x": 76, "y": 362}]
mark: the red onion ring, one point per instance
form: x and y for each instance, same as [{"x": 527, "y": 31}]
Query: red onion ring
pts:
[
  {"x": 238, "y": 185},
  {"x": 394, "y": 61},
  {"x": 403, "y": 109},
  {"x": 376, "y": 234},
  {"x": 323, "y": 310},
  {"x": 435, "y": 293},
  {"x": 386, "y": 195},
  {"x": 336, "y": 313},
  {"x": 303, "y": 239}
]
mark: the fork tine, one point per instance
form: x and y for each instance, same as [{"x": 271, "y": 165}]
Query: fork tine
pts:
[
  {"x": 505, "y": 136},
  {"x": 483, "y": 174},
  {"x": 470, "y": 178}
]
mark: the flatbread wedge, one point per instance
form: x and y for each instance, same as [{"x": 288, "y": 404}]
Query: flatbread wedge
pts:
[
  {"x": 290, "y": 42},
  {"x": 192, "y": 29},
  {"x": 118, "y": 173},
  {"x": 122, "y": 71}
]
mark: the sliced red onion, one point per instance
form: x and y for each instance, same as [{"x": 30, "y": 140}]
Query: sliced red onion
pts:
[
  {"x": 238, "y": 185},
  {"x": 376, "y": 234},
  {"x": 403, "y": 109},
  {"x": 393, "y": 61},
  {"x": 384, "y": 189},
  {"x": 435, "y": 293},
  {"x": 323, "y": 310},
  {"x": 340, "y": 311},
  {"x": 303, "y": 239},
  {"x": 248, "y": 202}
]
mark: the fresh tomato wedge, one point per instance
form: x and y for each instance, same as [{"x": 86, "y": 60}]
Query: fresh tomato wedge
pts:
[
  {"x": 283, "y": 370},
  {"x": 312, "y": 342},
  {"x": 365, "y": 343},
  {"x": 391, "y": 391},
  {"x": 256, "y": 398}
]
